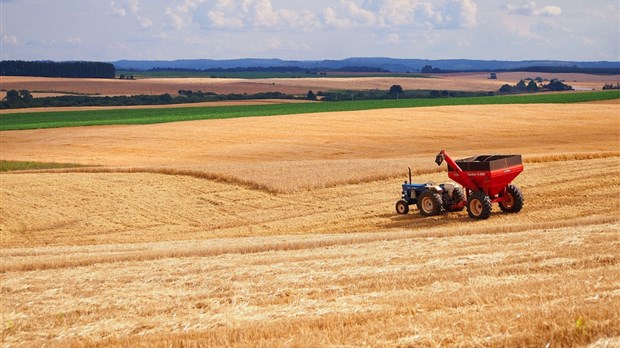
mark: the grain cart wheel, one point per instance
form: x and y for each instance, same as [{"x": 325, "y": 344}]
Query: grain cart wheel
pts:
[
  {"x": 513, "y": 200},
  {"x": 479, "y": 206},
  {"x": 457, "y": 197},
  {"x": 402, "y": 207},
  {"x": 429, "y": 203}
]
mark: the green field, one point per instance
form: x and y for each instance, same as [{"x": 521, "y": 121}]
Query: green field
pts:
[
  {"x": 6, "y": 166},
  {"x": 150, "y": 116}
]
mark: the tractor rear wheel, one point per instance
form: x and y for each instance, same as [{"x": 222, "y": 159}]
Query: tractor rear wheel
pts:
[
  {"x": 513, "y": 200},
  {"x": 479, "y": 206},
  {"x": 402, "y": 207},
  {"x": 430, "y": 203}
]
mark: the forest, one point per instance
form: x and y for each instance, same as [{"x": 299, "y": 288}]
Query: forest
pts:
[{"x": 78, "y": 69}]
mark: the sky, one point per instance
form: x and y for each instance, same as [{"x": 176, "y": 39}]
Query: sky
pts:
[{"x": 109, "y": 30}]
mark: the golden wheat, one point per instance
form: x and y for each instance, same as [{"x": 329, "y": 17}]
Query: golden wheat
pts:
[
  {"x": 232, "y": 247},
  {"x": 524, "y": 288},
  {"x": 324, "y": 150}
]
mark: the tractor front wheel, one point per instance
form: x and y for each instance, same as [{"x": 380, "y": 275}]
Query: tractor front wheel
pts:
[
  {"x": 513, "y": 200},
  {"x": 479, "y": 206},
  {"x": 430, "y": 203},
  {"x": 402, "y": 207}
]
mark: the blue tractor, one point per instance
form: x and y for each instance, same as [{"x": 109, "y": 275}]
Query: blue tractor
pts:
[{"x": 431, "y": 199}]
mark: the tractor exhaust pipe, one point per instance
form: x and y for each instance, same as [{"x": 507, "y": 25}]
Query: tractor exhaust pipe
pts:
[{"x": 409, "y": 175}]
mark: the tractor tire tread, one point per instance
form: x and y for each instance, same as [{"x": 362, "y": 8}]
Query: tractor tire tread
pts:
[
  {"x": 435, "y": 199},
  {"x": 485, "y": 206},
  {"x": 517, "y": 196}
]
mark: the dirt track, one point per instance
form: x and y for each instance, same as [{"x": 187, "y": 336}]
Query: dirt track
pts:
[{"x": 137, "y": 258}]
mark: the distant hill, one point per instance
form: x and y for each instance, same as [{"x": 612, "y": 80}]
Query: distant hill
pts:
[{"x": 390, "y": 64}]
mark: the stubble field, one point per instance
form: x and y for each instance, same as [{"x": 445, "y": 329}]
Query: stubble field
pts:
[
  {"x": 280, "y": 231},
  {"x": 462, "y": 81}
]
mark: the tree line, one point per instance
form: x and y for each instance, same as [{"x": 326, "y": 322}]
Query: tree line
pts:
[
  {"x": 79, "y": 69},
  {"x": 428, "y": 69},
  {"x": 23, "y": 99},
  {"x": 535, "y": 85},
  {"x": 278, "y": 69},
  {"x": 395, "y": 92}
]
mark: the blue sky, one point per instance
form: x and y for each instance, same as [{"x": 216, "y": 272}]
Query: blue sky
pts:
[{"x": 310, "y": 29}]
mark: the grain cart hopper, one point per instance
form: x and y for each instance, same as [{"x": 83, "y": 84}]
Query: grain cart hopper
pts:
[{"x": 486, "y": 179}]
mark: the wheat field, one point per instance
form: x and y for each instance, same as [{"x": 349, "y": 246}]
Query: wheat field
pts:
[{"x": 281, "y": 231}]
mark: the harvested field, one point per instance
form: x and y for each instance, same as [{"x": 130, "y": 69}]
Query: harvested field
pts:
[
  {"x": 110, "y": 87},
  {"x": 281, "y": 231},
  {"x": 325, "y": 149},
  {"x": 547, "y": 275},
  {"x": 461, "y": 81},
  {"x": 457, "y": 81},
  {"x": 176, "y": 208}
]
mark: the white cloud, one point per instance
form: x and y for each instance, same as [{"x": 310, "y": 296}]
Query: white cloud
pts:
[
  {"x": 118, "y": 10},
  {"x": 524, "y": 31},
  {"x": 587, "y": 41},
  {"x": 392, "y": 38},
  {"x": 219, "y": 19},
  {"x": 550, "y": 11},
  {"x": 342, "y": 14},
  {"x": 359, "y": 15},
  {"x": 181, "y": 15},
  {"x": 9, "y": 39},
  {"x": 131, "y": 6},
  {"x": 176, "y": 17},
  {"x": 331, "y": 19},
  {"x": 529, "y": 8},
  {"x": 402, "y": 14},
  {"x": 468, "y": 13},
  {"x": 252, "y": 14},
  {"x": 397, "y": 12},
  {"x": 145, "y": 22},
  {"x": 297, "y": 29},
  {"x": 265, "y": 16},
  {"x": 134, "y": 6},
  {"x": 74, "y": 41}
]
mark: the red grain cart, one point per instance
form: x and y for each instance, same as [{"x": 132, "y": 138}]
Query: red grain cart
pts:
[{"x": 486, "y": 179}]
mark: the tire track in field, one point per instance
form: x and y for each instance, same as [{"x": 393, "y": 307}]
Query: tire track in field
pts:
[{"x": 61, "y": 257}]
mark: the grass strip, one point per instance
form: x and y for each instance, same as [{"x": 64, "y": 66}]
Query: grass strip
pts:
[
  {"x": 163, "y": 115},
  {"x": 6, "y": 166}
]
